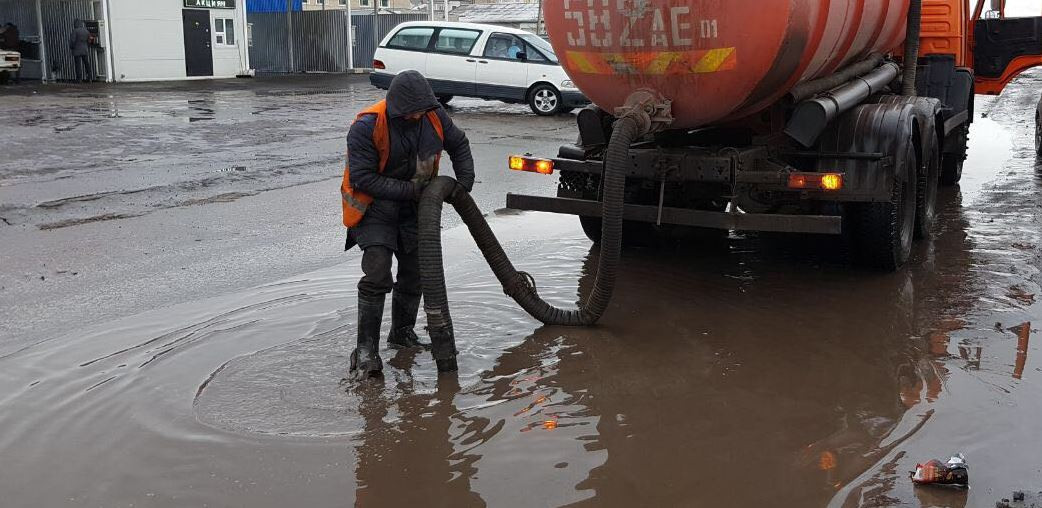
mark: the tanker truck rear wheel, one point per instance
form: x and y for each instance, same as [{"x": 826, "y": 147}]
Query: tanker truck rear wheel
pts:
[
  {"x": 883, "y": 232},
  {"x": 545, "y": 100},
  {"x": 951, "y": 163},
  {"x": 926, "y": 191}
]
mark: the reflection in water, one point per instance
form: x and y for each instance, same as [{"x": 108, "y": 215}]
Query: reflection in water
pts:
[
  {"x": 764, "y": 372},
  {"x": 778, "y": 392},
  {"x": 411, "y": 461},
  {"x": 759, "y": 373}
]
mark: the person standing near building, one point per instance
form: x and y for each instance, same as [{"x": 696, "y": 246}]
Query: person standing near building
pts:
[
  {"x": 79, "y": 43},
  {"x": 393, "y": 150},
  {"x": 11, "y": 39}
]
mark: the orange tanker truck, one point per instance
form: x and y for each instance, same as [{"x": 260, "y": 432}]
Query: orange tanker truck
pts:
[{"x": 773, "y": 115}]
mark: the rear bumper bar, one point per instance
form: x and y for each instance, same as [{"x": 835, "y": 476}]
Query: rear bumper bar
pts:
[{"x": 818, "y": 224}]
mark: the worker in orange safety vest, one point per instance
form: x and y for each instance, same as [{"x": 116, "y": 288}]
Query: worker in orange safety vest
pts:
[{"x": 393, "y": 149}]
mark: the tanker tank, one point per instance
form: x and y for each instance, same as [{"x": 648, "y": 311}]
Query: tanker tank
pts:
[{"x": 716, "y": 60}]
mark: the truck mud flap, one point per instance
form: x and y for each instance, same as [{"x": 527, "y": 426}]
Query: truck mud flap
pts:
[{"x": 817, "y": 224}]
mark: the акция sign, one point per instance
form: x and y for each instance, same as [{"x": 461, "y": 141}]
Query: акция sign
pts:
[{"x": 211, "y": 4}]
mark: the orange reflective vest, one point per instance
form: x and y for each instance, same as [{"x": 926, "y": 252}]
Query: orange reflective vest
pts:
[{"x": 355, "y": 202}]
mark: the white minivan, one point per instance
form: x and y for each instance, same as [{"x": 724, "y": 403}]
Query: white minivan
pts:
[{"x": 472, "y": 60}]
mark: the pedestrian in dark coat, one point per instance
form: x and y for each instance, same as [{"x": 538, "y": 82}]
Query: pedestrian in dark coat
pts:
[
  {"x": 389, "y": 224},
  {"x": 79, "y": 43},
  {"x": 11, "y": 38}
]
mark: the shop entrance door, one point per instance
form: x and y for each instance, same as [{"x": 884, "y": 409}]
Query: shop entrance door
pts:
[{"x": 198, "y": 48}]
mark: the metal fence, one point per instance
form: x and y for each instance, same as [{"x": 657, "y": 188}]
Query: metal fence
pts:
[
  {"x": 56, "y": 18},
  {"x": 317, "y": 41}
]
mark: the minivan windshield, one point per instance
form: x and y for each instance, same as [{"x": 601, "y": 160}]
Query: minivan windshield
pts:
[{"x": 541, "y": 44}]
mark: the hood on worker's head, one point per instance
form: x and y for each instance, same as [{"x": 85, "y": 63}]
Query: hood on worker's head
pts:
[
  {"x": 410, "y": 93},
  {"x": 78, "y": 23}
]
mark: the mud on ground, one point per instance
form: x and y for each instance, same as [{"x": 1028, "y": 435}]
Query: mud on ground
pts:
[{"x": 750, "y": 372}]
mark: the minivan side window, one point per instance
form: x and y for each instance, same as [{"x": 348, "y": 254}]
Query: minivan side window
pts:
[
  {"x": 503, "y": 46},
  {"x": 414, "y": 38},
  {"x": 534, "y": 55},
  {"x": 452, "y": 40}
]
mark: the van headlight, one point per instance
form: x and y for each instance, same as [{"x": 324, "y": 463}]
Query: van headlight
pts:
[{"x": 567, "y": 84}]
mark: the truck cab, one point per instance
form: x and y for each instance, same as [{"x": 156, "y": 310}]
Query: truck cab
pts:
[{"x": 1004, "y": 40}]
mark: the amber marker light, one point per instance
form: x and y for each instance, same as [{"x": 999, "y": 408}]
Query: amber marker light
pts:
[
  {"x": 816, "y": 181},
  {"x": 831, "y": 181},
  {"x": 544, "y": 166},
  {"x": 531, "y": 164}
]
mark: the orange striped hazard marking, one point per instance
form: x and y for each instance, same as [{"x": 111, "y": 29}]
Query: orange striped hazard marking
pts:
[{"x": 700, "y": 61}]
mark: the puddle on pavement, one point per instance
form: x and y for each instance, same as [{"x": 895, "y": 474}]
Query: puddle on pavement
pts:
[{"x": 759, "y": 373}]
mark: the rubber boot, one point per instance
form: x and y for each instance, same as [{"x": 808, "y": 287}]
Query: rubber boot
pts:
[
  {"x": 403, "y": 322},
  {"x": 365, "y": 359},
  {"x": 443, "y": 348}
]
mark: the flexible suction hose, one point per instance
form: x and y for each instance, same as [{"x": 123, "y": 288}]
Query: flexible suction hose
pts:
[
  {"x": 519, "y": 285},
  {"x": 912, "y": 32}
]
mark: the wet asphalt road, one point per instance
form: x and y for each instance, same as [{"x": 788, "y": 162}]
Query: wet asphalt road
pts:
[
  {"x": 194, "y": 357},
  {"x": 115, "y": 200}
]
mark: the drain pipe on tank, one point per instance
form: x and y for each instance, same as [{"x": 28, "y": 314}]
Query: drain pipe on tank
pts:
[
  {"x": 811, "y": 117},
  {"x": 643, "y": 113},
  {"x": 911, "y": 58}
]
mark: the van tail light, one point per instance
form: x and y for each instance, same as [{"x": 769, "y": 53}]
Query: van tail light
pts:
[
  {"x": 816, "y": 181},
  {"x": 378, "y": 65},
  {"x": 531, "y": 164}
]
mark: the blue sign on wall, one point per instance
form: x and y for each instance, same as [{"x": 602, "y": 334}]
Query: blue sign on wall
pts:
[{"x": 271, "y": 5}]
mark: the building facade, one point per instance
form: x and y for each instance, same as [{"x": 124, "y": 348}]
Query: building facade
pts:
[
  {"x": 177, "y": 39},
  {"x": 134, "y": 40},
  {"x": 356, "y": 5}
]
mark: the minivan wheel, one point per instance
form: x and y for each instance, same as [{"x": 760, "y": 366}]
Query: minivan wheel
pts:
[
  {"x": 444, "y": 99},
  {"x": 545, "y": 100}
]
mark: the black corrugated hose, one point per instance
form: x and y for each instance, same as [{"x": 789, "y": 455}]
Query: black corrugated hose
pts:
[
  {"x": 912, "y": 32},
  {"x": 519, "y": 285}
]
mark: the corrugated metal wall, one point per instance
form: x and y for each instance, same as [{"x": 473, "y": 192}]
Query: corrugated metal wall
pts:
[
  {"x": 58, "y": 17},
  {"x": 271, "y": 5},
  {"x": 365, "y": 45},
  {"x": 269, "y": 46},
  {"x": 320, "y": 41},
  {"x": 21, "y": 13}
]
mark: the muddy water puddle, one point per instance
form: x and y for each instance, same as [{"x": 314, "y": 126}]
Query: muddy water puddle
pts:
[{"x": 758, "y": 372}]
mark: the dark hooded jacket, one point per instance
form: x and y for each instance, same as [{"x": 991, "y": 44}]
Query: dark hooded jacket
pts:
[
  {"x": 79, "y": 42},
  {"x": 10, "y": 39},
  {"x": 390, "y": 220}
]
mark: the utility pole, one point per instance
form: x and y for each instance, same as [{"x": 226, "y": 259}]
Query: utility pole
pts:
[
  {"x": 350, "y": 37},
  {"x": 539, "y": 18},
  {"x": 289, "y": 35},
  {"x": 446, "y": 10},
  {"x": 376, "y": 26},
  {"x": 43, "y": 44}
]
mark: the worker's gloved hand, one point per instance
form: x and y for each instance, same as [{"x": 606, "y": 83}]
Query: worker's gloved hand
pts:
[{"x": 423, "y": 175}]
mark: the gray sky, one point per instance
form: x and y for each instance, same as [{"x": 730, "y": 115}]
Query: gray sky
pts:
[{"x": 1023, "y": 7}]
